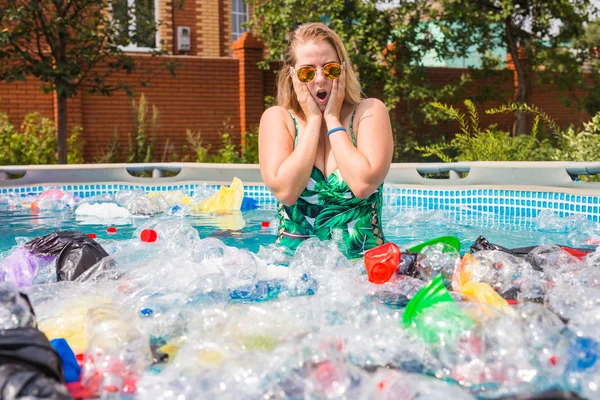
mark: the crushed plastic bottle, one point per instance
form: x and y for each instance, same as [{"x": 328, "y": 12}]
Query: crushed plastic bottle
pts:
[{"x": 437, "y": 258}]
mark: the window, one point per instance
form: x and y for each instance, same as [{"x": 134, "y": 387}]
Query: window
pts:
[
  {"x": 137, "y": 24},
  {"x": 239, "y": 15}
]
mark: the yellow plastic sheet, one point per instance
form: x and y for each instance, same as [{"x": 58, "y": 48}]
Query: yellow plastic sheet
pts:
[
  {"x": 70, "y": 323},
  {"x": 226, "y": 199},
  {"x": 479, "y": 291}
]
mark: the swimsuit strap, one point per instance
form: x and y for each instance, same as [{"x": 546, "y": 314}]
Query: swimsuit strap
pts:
[
  {"x": 295, "y": 127},
  {"x": 351, "y": 121}
]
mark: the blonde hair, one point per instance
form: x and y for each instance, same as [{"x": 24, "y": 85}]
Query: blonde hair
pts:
[{"x": 313, "y": 32}]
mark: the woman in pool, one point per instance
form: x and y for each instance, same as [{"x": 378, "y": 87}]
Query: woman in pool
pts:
[{"x": 324, "y": 152}]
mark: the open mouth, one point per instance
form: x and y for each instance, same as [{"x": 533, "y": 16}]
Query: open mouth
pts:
[{"x": 321, "y": 94}]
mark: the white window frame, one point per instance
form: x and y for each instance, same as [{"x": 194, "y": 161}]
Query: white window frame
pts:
[
  {"x": 133, "y": 47},
  {"x": 240, "y": 33}
]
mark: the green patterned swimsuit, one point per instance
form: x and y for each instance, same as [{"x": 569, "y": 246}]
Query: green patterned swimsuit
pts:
[{"x": 328, "y": 209}]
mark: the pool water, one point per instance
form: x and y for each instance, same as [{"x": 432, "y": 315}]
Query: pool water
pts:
[{"x": 403, "y": 225}]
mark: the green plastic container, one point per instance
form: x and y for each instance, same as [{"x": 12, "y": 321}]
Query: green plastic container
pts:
[
  {"x": 450, "y": 240},
  {"x": 434, "y": 316}
]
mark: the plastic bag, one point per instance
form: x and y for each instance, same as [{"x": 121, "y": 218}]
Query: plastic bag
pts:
[
  {"x": 76, "y": 252},
  {"x": 226, "y": 199},
  {"x": 29, "y": 366},
  {"x": 462, "y": 282}
]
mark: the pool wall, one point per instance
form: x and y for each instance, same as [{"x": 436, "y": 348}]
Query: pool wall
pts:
[{"x": 517, "y": 189}]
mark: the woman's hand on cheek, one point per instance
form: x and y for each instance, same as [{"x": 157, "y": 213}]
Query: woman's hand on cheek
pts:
[
  {"x": 336, "y": 98},
  {"x": 308, "y": 104}
]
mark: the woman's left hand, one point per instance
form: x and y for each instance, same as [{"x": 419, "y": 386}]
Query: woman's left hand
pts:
[{"x": 336, "y": 97}]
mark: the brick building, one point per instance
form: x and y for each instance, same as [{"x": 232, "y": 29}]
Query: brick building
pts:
[{"x": 217, "y": 80}]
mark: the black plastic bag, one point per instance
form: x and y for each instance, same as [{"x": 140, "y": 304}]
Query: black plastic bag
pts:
[
  {"x": 29, "y": 366},
  {"x": 75, "y": 252},
  {"x": 483, "y": 244}
]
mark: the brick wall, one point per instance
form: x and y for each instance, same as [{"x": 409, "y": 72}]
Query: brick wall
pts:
[{"x": 201, "y": 97}]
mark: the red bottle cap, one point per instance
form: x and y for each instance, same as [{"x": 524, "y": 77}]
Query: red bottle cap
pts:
[
  {"x": 92, "y": 235},
  {"x": 264, "y": 224},
  {"x": 381, "y": 262},
  {"x": 112, "y": 229},
  {"x": 148, "y": 236}
]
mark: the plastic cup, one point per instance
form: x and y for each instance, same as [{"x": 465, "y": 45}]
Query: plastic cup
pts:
[{"x": 382, "y": 262}]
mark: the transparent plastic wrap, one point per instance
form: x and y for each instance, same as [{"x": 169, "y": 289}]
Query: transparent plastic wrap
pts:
[
  {"x": 435, "y": 259},
  {"x": 117, "y": 354},
  {"x": 61, "y": 309},
  {"x": 570, "y": 301},
  {"x": 15, "y": 310},
  {"x": 393, "y": 385},
  {"x": 312, "y": 265},
  {"x": 20, "y": 266}
]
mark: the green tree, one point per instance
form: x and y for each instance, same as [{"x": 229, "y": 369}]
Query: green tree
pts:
[
  {"x": 70, "y": 43},
  {"x": 539, "y": 36}
]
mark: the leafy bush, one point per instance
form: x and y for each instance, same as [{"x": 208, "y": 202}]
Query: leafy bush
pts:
[
  {"x": 75, "y": 146},
  {"x": 580, "y": 146},
  {"x": 112, "y": 152},
  {"x": 250, "y": 154},
  {"x": 194, "y": 140},
  {"x": 227, "y": 153},
  {"x": 473, "y": 143},
  {"x": 35, "y": 144}
]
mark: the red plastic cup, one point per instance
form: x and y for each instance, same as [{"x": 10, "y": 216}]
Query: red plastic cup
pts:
[
  {"x": 381, "y": 262},
  {"x": 111, "y": 230},
  {"x": 264, "y": 224},
  {"x": 148, "y": 236},
  {"x": 92, "y": 235}
]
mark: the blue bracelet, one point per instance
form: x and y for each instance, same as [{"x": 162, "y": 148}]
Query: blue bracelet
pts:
[{"x": 339, "y": 128}]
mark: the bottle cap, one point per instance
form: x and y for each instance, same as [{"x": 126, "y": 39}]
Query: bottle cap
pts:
[
  {"x": 92, "y": 235},
  {"x": 265, "y": 224},
  {"x": 148, "y": 236},
  {"x": 112, "y": 229}
]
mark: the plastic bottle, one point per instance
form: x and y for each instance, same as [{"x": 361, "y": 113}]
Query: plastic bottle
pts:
[{"x": 382, "y": 262}]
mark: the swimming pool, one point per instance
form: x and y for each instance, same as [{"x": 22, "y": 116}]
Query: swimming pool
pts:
[
  {"x": 319, "y": 329},
  {"x": 410, "y": 215}
]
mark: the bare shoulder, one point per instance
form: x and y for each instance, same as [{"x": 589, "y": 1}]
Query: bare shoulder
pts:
[
  {"x": 371, "y": 104},
  {"x": 274, "y": 113},
  {"x": 372, "y": 111}
]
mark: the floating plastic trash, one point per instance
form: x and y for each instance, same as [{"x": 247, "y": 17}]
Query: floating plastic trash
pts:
[
  {"x": 226, "y": 199},
  {"x": 453, "y": 241},
  {"x": 148, "y": 236},
  {"x": 434, "y": 316},
  {"x": 381, "y": 262}
]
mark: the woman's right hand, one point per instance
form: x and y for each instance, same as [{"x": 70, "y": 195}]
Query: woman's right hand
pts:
[{"x": 307, "y": 103}]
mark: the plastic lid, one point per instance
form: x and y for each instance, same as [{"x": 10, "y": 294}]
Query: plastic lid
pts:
[
  {"x": 112, "y": 229},
  {"x": 450, "y": 240},
  {"x": 92, "y": 235},
  {"x": 148, "y": 236},
  {"x": 264, "y": 224}
]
